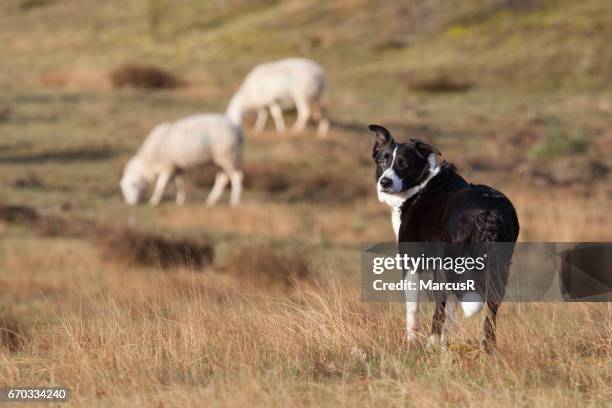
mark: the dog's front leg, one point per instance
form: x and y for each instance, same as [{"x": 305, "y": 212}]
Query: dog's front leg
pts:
[
  {"x": 411, "y": 292},
  {"x": 450, "y": 318}
]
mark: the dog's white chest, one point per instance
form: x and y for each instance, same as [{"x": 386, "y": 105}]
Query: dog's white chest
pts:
[{"x": 396, "y": 221}]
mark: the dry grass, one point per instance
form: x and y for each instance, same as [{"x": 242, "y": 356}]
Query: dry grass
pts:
[
  {"x": 126, "y": 245},
  {"x": 75, "y": 78},
  {"x": 269, "y": 267},
  {"x": 276, "y": 319},
  {"x": 563, "y": 216},
  {"x": 253, "y": 332},
  {"x": 12, "y": 335},
  {"x": 183, "y": 339}
]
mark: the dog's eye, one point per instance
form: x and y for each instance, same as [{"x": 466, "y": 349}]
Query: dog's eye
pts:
[
  {"x": 382, "y": 162},
  {"x": 401, "y": 162}
]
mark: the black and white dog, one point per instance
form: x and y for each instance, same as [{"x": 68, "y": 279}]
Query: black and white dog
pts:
[{"x": 431, "y": 202}]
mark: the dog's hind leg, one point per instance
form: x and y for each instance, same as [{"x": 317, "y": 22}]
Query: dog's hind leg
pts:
[
  {"x": 490, "y": 326},
  {"x": 437, "y": 324}
]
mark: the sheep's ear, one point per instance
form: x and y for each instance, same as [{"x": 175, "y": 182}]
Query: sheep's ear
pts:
[
  {"x": 382, "y": 138},
  {"x": 424, "y": 149}
]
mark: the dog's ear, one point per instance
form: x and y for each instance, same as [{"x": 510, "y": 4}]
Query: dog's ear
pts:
[
  {"x": 424, "y": 149},
  {"x": 382, "y": 138}
]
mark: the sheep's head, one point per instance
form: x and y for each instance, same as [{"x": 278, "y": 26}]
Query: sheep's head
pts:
[
  {"x": 133, "y": 183},
  {"x": 235, "y": 110}
]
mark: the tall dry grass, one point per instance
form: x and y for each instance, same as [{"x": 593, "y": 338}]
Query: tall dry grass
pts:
[
  {"x": 127, "y": 335},
  {"x": 139, "y": 337}
]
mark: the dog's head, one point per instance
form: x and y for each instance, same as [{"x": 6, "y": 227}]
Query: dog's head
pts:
[{"x": 401, "y": 167}]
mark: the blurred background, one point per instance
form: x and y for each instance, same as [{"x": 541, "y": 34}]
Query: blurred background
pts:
[{"x": 516, "y": 93}]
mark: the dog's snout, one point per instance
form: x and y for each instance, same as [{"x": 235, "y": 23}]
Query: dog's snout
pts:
[{"x": 386, "y": 182}]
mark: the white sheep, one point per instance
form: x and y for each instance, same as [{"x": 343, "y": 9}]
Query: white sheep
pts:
[
  {"x": 274, "y": 86},
  {"x": 171, "y": 148}
]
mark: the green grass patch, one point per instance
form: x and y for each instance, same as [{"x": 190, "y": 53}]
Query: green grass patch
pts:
[{"x": 559, "y": 142}]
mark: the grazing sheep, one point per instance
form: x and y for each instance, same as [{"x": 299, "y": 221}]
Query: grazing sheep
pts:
[
  {"x": 291, "y": 82},
  {"x": 173, "y": 147}
]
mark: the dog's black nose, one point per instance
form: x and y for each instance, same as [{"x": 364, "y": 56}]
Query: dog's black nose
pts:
[{"x": 386, "y": 182}]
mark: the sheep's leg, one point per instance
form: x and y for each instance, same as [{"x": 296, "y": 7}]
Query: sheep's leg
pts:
[
  {"x": 262, "y": 117},
  {"x": 303, "y": 113},
  {"x": 318, "y": 114},
  {"x": 277, "y": 115},
  {"x": 323, "y": 128},
  {"x": 160, "y": 185},
  {"x": 236, "y": 180},
  {"x": 220, "y": 182},
  {"x": 179, "y": 181}
]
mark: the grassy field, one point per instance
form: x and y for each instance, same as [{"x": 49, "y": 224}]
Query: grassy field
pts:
[{"x": 516, "y": 93}]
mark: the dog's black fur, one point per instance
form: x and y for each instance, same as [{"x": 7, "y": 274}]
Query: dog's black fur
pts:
[{"x": 447, "y": 209}]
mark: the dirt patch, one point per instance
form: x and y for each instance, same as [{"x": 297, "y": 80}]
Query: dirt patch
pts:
[
  {"x": 440, "y": 82},
  {"x": 27, "y": 5},
  {"x": 269, "y": 266},
  {"x": 18, "y": 214},
  {"x": 117, "y": 243},
  {"x": 12, "y": 335},
  {"x": 393, "y": 43},
  {"x": 143, "y": 77}
]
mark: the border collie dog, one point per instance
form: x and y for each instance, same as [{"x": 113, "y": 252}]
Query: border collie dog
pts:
[{"x": 431, "y": 202}]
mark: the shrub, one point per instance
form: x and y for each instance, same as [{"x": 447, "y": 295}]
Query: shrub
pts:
[
  {"x": 143, "y": 77},
  {"x": 438, "y": 83}
]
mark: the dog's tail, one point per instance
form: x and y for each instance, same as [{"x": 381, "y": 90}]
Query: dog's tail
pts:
[{"x": 491, "y": 227}]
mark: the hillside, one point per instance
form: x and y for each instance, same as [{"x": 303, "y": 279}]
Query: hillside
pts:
[{"x": 523, "y": 45}]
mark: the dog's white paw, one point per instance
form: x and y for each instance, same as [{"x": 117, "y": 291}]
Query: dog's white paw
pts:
[
  {"x": 432, "y": 342},
  {"x": 411, "y": 339}
]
